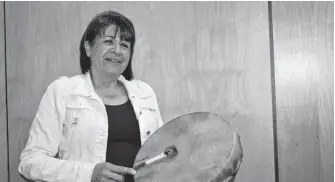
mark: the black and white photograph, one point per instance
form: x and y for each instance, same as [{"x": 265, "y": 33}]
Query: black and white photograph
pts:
[{"x": 167, "y": 91}]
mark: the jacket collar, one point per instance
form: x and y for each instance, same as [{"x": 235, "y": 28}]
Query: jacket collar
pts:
[{"x": 134, "y": 88}]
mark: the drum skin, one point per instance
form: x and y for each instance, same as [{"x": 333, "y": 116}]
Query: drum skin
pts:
[{"x": 205, "y": 144}]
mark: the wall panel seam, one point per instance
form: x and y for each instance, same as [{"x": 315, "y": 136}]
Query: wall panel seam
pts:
[
  {"x": 6, "y": 89},
  {"x": 273, "y": 90}
]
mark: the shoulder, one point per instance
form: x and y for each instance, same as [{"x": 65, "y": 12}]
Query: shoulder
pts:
[
  {"x": 138, "y": 88},
  {"x": 64, "y": 84},
  {"x": 141, "y": 86}
]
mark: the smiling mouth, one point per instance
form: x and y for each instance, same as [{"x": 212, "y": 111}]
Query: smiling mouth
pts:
[{"x": 113, "y": 60}]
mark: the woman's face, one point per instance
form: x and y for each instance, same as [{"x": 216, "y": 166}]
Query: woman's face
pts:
[{"x": 109, "y": 54}]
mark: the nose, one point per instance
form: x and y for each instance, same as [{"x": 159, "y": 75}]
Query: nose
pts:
[{"x": 117, "y": 49}]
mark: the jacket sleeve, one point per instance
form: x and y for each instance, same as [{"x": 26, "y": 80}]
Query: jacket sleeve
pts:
[{"x": 37, "y": 160}]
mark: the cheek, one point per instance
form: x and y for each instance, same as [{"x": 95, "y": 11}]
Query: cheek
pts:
[
  {"x": 98, "y": 53},
  {"x": 101, "y": 51},
  {"x": 126, "y": 57}
]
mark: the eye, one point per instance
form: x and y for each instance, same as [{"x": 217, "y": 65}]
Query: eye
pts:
[
  {"x": 125, "y": 45},
  {"x": 109, "y": 41}
]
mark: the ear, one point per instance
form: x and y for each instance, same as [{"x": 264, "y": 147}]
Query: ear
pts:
[{"x": 87, "y": 48}]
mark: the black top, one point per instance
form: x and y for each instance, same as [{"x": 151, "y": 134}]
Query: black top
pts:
[{"x": 123, "y": 136}]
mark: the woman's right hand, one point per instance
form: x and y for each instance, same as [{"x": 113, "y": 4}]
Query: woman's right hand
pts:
[{"x": 109, "y": 172}]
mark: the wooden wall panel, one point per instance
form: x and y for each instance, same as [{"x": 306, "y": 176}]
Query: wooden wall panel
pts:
[
  {"x": 304, "y": 72},
  {"x": 3, "y": 111},
  {"x": 214, "y": 57},
  {"x": 198, "y": 56}
]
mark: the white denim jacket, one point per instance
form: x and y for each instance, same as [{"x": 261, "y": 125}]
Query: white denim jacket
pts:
[{"x": 71, "y": 123}]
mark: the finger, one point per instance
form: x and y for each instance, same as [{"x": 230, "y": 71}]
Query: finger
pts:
[
  {"x": 120, "y": 169},
  {"x": 112, "y": 176},
  {"x": 104, "y": 179},
  {"x": 107, "y": 180}
]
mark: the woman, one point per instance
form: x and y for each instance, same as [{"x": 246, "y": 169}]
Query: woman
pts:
[{"x": 90, "y": 127}]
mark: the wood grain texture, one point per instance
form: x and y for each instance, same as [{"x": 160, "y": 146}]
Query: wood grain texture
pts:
[
  {"x": 198, "y": 56},
  {"x": 214, "y": 57},
  {"x": 304, "y": 71},
  {"x": 3, "y": 110}
]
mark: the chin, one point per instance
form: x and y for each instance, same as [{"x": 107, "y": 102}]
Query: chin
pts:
[{"x": 114, "y": 73}]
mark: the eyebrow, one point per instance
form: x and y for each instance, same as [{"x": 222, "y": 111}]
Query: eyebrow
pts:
[{"x": 109, "y": 36}]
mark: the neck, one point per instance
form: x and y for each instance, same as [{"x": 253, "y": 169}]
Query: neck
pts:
[{"x": 103, "y": 81}]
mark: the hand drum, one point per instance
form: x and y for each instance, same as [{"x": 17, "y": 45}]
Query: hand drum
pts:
[{"x": 206, "y": 150}]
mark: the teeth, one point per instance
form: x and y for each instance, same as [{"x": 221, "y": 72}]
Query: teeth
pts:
[{"x": 113, "y": 60}]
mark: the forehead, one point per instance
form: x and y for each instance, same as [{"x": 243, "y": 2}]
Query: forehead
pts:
[
  {"x": 116, "y": 32},
  {"x": 112, "y": 30}
]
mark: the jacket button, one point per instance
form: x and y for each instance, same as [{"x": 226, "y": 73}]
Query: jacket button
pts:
[{"x": 148, "y": 132}]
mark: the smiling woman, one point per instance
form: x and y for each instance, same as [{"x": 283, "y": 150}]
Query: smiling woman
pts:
[
  {"x": 109, "y": 52},
  {"x": 94, "y": 122}
]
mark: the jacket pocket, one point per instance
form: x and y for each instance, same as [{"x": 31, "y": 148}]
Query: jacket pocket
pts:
[
  {"x": 75, "y": 113},
  {"x": 79, "y": 121}
]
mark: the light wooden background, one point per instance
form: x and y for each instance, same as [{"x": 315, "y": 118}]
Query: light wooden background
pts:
[
  {"x": 304, "y": 67},
  {"x": 198, "y": 56}
]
